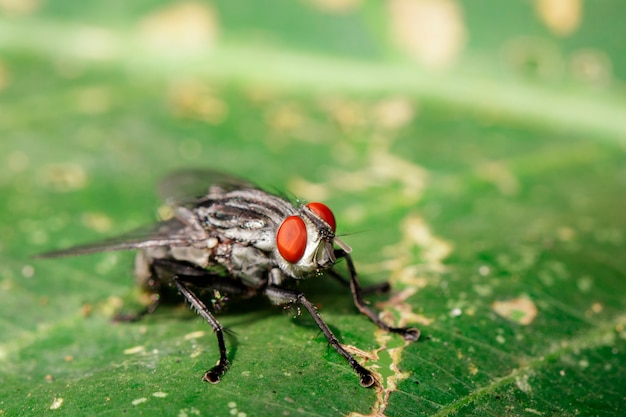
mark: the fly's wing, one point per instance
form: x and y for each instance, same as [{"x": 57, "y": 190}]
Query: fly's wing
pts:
[
  {"x": 170, "y": 232},
  {"x": 189, "y": 187}
]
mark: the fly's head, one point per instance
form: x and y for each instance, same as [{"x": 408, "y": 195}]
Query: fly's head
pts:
[{"x": 304, "y": 242}]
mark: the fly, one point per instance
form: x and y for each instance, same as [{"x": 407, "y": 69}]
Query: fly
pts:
[{"x": 230, "y": 238}]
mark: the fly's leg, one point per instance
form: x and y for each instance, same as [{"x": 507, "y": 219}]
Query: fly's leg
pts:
[
  {"x": 410, "y": 334},
  {"x": 282, "y": 296},
  {"x": 136, "y": 316},
  {"x": 214, "y": 374},
  {"x": 184, "y": 275},
  {"x": 381, "y": 288},
  {"x": 154, "y": 288},
  {"x": 199, "y": 277},
  {"x": 159, "y": 272}
]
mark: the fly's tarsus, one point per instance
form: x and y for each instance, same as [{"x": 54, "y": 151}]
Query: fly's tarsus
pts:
[
  {"x": 410, "y": 334},
  {"x": 214, "y": 375},
  {"x": 129, "y": 317},
  {"x": 367, "y": 380}
]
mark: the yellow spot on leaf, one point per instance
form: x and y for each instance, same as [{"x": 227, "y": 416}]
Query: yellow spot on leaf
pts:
[
  {"x": 390, "y": 384},
  {"x": 336, "y": 6},
  {"x": 194, "y": 335},
  {"x": 566, "y": 234},
  {"x": 348, "y": 114},
  {"x": 431, "y": 31},
  {"x": 285, "y": 119},
  {"x": 562, "y": 17},
  {"x": 19, "y": 8},
  {"x": 56, "y": 403},
  {"x": 592, "y": 67},
  {"x": 522, "y": 383},
  {"x": 398, "y": 303},
  {"x": 183, "y": 27},
  {"x": 521, "y": 310},
  {"x": 196, "y": 100},
  {"x": 308, "y": 190},
  {"x": 417, "y": 234},
  {"x": 500, "y": 175},
  {"x": 165, "y": 212},
  {"x": 63, "y": 177},
  {"x": 472, "y": 368},
  {"x": 394, "y": 113},
  {"x": 134, "y": 350},
  {"x": 139, "y": 401},
  {"x": 97, "y": 221}
]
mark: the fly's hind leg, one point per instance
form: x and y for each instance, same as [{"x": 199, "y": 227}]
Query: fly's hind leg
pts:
[
  {"x": 187, "y": 277},
  {"x": 214, "y": 374},
  {"x": 282, "y": 296}
]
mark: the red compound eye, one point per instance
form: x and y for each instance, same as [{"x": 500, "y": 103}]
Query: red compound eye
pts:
[
  {"x": 324, "y": 213},
  {"x": 291, "y": 239}
]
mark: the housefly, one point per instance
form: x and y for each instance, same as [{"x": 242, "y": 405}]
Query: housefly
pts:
[{"x": 230, "y": 238}]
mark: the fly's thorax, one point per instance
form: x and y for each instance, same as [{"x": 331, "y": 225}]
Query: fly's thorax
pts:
[{"x": 249, "y": 217}]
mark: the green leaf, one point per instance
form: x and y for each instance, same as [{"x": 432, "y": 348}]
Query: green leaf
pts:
[{"x": 488, "y": 187}]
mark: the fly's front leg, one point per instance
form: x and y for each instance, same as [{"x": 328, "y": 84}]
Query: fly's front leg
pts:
[
  {"x": 381, "y": 288},
  {"x": 410, "y": 334},
  {"x": 282, "y": 296},
  {"x": 214, "y": 374}
]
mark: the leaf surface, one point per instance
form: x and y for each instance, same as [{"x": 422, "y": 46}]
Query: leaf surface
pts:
[{"x": 490, "y": 194}]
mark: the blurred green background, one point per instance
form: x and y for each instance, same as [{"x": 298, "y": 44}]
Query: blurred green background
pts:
[{"x": 473, "y": 153}]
